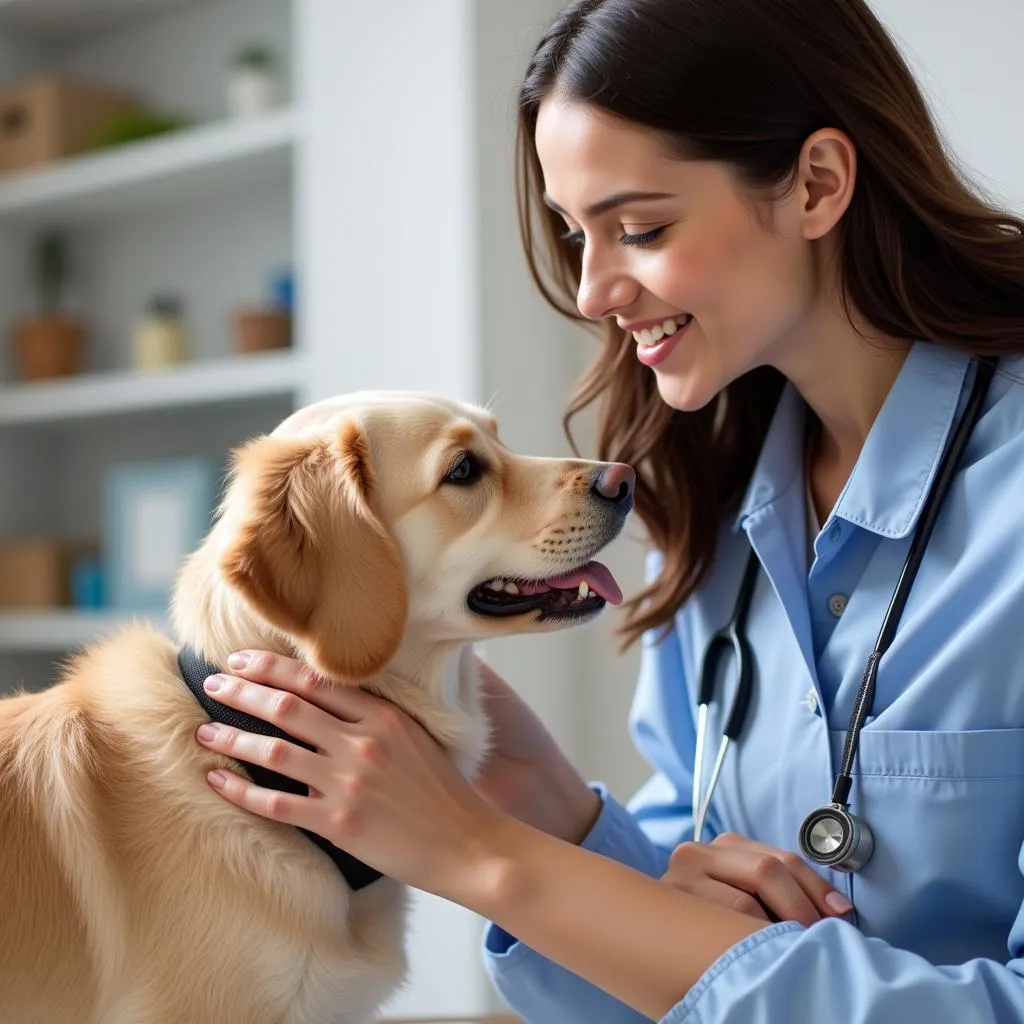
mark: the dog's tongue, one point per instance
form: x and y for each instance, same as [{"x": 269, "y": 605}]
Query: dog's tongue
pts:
[{"x": 598, "y": 578}]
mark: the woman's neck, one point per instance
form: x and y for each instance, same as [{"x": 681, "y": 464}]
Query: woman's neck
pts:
[{"x": 844, "y": 377}]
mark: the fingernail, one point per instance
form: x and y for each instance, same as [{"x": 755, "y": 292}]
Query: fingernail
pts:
[
  {"x": 238, "y": 660},
  {"x": 207, "y": 732},
  {"x": 216, "y": 779},
  {"x": 838, "y": 903},
  {"x": 213, "y": 683}
]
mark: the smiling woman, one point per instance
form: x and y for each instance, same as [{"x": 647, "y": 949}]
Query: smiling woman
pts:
[{"x": 662, "y": 190}]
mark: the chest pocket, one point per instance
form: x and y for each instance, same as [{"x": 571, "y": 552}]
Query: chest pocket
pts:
[{"x": 947, "y": 813}]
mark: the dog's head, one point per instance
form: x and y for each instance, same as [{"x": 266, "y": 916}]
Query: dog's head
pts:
[{"x": 387, "y": 519}]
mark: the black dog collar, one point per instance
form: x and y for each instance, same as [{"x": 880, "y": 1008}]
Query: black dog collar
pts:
[{"x": 194, "y": 670}]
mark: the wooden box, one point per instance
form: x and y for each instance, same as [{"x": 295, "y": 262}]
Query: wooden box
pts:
[
  {"x": 48, "y": 117},
  {"x": 34, "y": 573}
]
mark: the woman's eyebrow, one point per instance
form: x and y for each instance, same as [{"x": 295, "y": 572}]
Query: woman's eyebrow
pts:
[{"x": 612, "y": 201}]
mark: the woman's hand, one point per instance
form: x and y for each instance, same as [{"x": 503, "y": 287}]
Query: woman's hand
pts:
[
  {"x": 757, "y": 880},
  {"x": 526, "y": 774},
  {"x": 380, "y": 787}
]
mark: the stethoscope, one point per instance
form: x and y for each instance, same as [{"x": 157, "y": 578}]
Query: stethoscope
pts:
[{"x": 830, "y": 835}]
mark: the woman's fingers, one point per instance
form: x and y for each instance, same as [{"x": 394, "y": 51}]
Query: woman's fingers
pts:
[
  {"x": 289, "y": 712},
  {"x": 745, "y": 874},
  {"x": 826, "y": 899},
  {"x": 277, "y": 755},
  {"x": 728, "y": 896},
  {"x": 288, "y": 808},
  {"x": 349, "y": 703}
]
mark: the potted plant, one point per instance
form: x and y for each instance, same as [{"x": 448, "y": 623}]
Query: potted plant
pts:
[
  {"x": 49, "y": 344},
  {"x": 254, "y": 85}
]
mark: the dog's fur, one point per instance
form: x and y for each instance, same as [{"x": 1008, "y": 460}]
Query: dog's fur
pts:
[{"x": 130, "y": 893}]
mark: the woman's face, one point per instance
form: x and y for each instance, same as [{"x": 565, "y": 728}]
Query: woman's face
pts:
[{"x": 675, "y": 246}]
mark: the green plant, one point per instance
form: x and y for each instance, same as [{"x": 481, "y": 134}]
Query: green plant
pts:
[
  {"x": 255, "y": 57},
  {"x": 131, "y": 125},
  {"x": 50, "y": 267}
]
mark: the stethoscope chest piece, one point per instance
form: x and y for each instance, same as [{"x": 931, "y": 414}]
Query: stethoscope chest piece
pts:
[{"x": 834, "y": 838}]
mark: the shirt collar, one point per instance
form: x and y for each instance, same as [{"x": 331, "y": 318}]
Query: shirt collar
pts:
[{"x": 890, "y": 482}]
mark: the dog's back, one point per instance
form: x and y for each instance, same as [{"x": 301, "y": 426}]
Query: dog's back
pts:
[
  {"x": 129, "y": 892},
  {"x": 46, "y": 972}
]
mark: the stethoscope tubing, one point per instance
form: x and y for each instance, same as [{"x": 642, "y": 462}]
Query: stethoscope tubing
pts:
[{"x": 857, "y": 836}]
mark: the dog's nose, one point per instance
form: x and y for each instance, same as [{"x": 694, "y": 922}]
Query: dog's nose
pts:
[{"x": 615, "y": 484}]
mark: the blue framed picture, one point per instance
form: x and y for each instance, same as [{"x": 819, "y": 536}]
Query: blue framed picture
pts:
[{"x": 155, "y": 514}]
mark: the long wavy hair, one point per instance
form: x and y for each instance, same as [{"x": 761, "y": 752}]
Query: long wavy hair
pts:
[{"x": 922, "y": 254}]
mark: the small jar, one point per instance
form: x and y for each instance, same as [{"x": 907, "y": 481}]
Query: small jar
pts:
[{"x": 158, "y": 339}]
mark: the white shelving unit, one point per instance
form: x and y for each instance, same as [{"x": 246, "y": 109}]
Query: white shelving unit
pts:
[
  {"x": 236, "y": 379},
  {"x": 206, "y": 212},
  {"x": 182, "y": 165}
]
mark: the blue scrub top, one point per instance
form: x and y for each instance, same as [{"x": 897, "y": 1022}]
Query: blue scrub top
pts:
[{"x": 938, "y": 934}]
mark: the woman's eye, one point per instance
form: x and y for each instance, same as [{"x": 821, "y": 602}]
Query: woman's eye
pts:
[
  {"x": 642, "y": 239},
  {"x": 466, "y": 471},
  {"x": 573, "y": 237}
]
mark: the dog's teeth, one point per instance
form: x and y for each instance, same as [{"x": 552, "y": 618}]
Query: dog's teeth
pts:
[
  {"x": 496, "y": 585},
  {"x": 511, "y": 588},
  {"x": 584, "y": 591}
]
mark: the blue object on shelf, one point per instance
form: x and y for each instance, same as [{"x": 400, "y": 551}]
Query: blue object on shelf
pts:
[
  {"x": 156, "y": 513},
  {"x": 88, "y": 582},
  {"x": 282, "y": 291}
]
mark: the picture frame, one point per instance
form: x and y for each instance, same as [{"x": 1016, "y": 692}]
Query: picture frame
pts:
[{"x": 155, "y": 514}]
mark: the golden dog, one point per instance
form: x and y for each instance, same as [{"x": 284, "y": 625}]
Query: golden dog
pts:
[{"x": 374, "y": 536}]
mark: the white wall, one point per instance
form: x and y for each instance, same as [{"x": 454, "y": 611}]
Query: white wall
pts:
[
  {"x": 967, "y": 58},
  {"x": 387, "y": 192}
]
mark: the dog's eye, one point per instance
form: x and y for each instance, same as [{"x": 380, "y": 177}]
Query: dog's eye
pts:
[{"x": 467, "y": 470}]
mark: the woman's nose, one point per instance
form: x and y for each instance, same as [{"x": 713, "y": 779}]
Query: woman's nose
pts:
[{"x": 603, "y": 290}]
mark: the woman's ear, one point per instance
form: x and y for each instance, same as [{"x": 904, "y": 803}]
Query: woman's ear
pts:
[
  {"x": 827, "y": 176},
  {"x": 311, "y": 555}
]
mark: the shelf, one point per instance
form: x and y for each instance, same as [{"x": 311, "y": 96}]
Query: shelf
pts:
[
  {"x": 88, "y": 396},
  {"x": 56, "y": 21},
  {"x": 54, "y": 632},
  {"x": 191, "y": 163}
]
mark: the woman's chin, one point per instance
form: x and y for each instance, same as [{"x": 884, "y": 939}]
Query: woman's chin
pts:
[{"x": 688, "y": 392}]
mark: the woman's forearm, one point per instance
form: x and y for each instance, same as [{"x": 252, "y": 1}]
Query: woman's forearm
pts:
[{"x": 642, "y": 941}]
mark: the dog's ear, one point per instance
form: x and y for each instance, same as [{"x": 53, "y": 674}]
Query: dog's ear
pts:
[{"x": 311, "y": 555}]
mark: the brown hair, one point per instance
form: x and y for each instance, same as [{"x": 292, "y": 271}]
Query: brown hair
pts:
[{"x": 745, "y": 82}]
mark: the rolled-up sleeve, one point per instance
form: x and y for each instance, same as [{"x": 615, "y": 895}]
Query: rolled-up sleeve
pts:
[{"x": 831, "y": 971}]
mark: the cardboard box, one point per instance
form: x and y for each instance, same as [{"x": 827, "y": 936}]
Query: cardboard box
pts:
[
  {"x": 35, "y": 572},
  {"x": 48, "y": 117}
]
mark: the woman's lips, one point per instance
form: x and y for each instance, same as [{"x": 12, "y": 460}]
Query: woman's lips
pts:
[{"x": 652, "y": 355}]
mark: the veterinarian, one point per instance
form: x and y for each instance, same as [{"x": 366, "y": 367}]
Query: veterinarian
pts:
[{"x": 812, "y": 334}]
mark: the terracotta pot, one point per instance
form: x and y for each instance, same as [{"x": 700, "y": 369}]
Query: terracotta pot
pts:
[
  {"x": 257, "y": 330},
  {"x": 48, "y": 346}
]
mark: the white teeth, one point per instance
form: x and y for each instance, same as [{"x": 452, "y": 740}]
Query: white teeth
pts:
[
  {"x": 497, "y": 585},
  {"x": 511, "y": 588},
  {"x": 584, "y": 591},
  {"x": 651, "y": 336}
]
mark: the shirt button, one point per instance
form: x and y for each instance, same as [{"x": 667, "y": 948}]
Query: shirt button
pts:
[
  {"x": 837, "y": 604},
  {"x": 811, "y": 700},
  {"x": 833, "y": 534}
]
